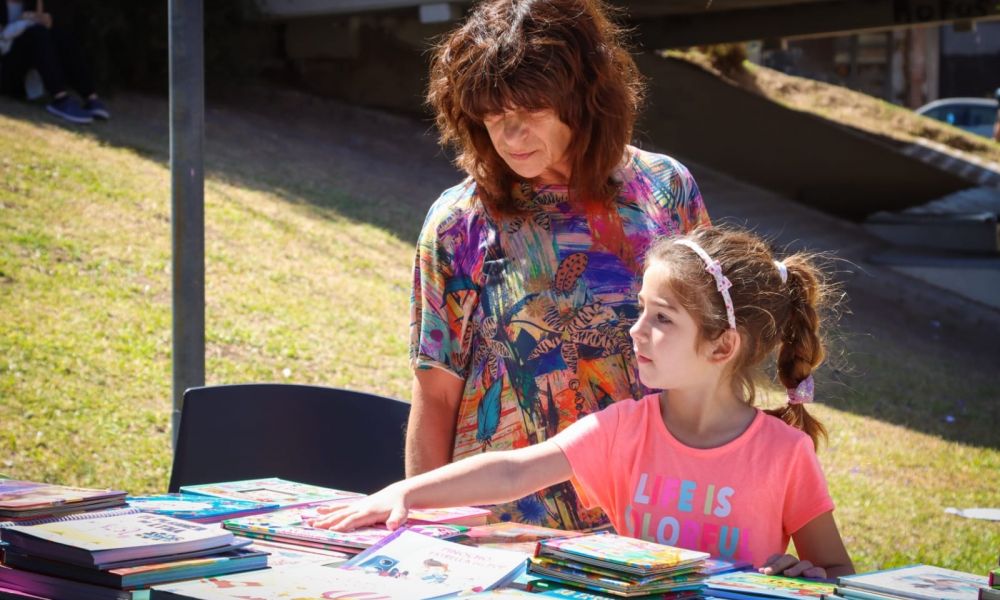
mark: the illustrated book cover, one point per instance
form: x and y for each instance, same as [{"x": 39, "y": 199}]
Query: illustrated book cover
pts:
[
  {"x": 410, "y": 556},
  {"x": 918, "y": 582},
  {"x": 293, "y": 582},
  {"x": 269, "y": 490},
  {"x": 94, "y": 542},
  {"x": 629, "y": 555},
  {"x": 752, "y": 584},
  {"x": 289, "y": 525},
  {"x": 199, "y": 508}
]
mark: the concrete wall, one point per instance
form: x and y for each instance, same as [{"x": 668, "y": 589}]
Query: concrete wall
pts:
[{"x": 695, "y": 115}]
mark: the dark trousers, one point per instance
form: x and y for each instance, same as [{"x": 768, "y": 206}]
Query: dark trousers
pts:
[{"x": 56, "y": 55}]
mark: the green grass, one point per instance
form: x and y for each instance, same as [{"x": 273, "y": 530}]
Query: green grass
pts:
[{"x": 304, "y": 279}]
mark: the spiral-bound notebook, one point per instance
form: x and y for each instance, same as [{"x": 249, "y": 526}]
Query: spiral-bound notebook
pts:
[{"x": 77, "y": 516}]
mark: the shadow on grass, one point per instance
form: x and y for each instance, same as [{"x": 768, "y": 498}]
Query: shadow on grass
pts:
[
  {"x": 341, "y": 161},
  {"x": 385, "y": 170}
]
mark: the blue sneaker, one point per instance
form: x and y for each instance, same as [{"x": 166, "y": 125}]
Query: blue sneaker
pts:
[
  {"x": 97, "y": 109},
  {"x": 69, "y": 109}
]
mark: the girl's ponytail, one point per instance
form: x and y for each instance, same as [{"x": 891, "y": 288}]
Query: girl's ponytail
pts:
[{"x": 801, "y": 348}]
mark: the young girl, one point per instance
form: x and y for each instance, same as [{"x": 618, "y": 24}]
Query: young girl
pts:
[{"x": 695, "y": 465}]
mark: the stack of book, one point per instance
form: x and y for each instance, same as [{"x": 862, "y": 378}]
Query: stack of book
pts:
[
  {"x": 617, "y": 565},
  {"x": 756, "y": 586},
  {"x": 913, "y": 582},
  {"x": 24, "y": 501},
  {"x": 116, "y": 558}
]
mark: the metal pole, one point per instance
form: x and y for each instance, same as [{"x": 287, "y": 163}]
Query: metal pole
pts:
[{"x": 187, "y": 190}]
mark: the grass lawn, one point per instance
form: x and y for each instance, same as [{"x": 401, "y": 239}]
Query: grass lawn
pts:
[{"x": 309, "y": 283}]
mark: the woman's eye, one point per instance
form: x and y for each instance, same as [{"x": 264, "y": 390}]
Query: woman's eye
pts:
[{"x": 662, "y": 318}]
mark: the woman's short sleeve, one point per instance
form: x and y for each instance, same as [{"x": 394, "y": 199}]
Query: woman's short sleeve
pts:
[
  {"x": 443, "y": 298},
  {"x": 692, "y": 210}
]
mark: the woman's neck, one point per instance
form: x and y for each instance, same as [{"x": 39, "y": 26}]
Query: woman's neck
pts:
[{"x": 707, "y": 417}]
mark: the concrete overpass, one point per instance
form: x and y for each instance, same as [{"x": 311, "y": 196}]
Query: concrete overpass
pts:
[{"x": 678, "y": 23}]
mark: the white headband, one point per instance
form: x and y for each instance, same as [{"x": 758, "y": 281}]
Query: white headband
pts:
[{"x": 722, "y": 282}]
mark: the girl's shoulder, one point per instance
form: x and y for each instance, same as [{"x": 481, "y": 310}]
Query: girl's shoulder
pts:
[{"x": 778, "y": 433}]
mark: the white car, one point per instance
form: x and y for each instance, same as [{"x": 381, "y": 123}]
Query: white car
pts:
[{"x": 976, "y": 115}]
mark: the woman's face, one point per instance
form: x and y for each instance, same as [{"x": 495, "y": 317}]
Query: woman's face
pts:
[{"x": 533, "y": 143}]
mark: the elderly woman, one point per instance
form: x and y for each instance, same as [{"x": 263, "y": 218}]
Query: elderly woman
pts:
[{"x": 527, "y": 272}]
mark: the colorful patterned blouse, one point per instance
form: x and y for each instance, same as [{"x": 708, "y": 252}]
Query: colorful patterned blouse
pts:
[{"x": 533, "y": 311}]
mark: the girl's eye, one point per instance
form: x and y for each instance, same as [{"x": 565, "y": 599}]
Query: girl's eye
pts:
[{"x": 662, "y": 318}]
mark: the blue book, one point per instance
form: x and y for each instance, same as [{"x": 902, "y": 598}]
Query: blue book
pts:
[{"x": 199, "y": 508}]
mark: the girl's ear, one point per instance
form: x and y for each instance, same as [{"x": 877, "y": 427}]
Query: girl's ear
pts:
[{"x": 726, "y": 346}]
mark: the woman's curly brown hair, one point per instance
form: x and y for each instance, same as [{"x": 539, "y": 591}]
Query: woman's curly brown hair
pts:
[{"x": 566, "y": 55}]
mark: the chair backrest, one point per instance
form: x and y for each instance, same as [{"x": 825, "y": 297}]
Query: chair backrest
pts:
[{"x": 324, "y": 436}]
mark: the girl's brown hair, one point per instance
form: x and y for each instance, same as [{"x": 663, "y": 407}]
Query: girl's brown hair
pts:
[
  {"x": 769, "y": 314},
  {"x": 566, "y": 55}
]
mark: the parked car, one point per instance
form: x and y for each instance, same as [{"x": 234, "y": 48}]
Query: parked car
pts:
[{"x": 976, "y": 115}]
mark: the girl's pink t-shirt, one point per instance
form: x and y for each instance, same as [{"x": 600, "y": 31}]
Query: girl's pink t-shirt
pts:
[{"x": 740, "y": 501}]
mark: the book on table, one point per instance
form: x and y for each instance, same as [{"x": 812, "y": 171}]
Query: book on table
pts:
[
  {"x": 289, "y": 526},
  {"x": 21, "y": 500},
  {"x": 409, "y": 556},
  {"x": 302, "y": 581},
  {"x": 280, "y": 554},
  {"x": 754, "y": 586},
  {"x": 509, "y": 532},
  {"x": 96, "y": 542},
  {"x": 270, "y": 490},
  {"x": 199, "y": 508},
  {"x": 48, "y": 586},
  {"x": 620, "y": 554},
  {"x": 128, "y": 578},
  {"x": 914, "y": 582}
]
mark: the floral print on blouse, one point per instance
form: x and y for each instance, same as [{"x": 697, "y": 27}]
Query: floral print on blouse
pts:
[{"x": 533, "y": 311}]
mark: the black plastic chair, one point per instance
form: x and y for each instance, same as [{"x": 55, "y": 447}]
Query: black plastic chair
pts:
[{"x": 324, "y": 436}]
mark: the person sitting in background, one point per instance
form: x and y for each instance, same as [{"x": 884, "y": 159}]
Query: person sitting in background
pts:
[{"x": 30, "y": 39}]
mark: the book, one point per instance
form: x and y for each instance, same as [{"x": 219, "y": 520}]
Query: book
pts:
[
  {"x": 21, "y": 499},
  {"x": 455, "y": 515},
  {"x": 198, "y": 508},
  {"x": 918, "y": 582},
  {"x": 544, "y": 588},
  {"x": 989, "y": 593},
  {"x": 99, "y": 513},
  {"x": 269, "y": 490},
  {"x": 128, "y": 578},
  {"x": 620, "y": 553},
  {"x": 236, "y": 544},
  {"x": 409, "y": 556},
  {"x": 289, "y": 526},
  {"x": 302, "y": 581},
  {"x": 606, "y": 581},
  {"x": 279, "y": 554},
  {"x": 744, "y": 584},
  {"x": 509, "y": 532},
  {"x": 95, "y": 542},
  {"x": 48, "y": 586}
]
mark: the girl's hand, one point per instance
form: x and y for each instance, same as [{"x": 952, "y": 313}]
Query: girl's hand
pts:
[
  {"x": 790, "y": 566},
  {"x": 387, "y": 506}
]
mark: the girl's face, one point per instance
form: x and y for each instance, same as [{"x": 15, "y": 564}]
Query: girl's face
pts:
[
  {"x": 533, "y": 143},
  {"x": 665, "y": 338}
]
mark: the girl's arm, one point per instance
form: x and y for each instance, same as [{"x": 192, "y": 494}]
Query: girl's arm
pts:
[
  {"x": 484, "y": 479},
  {"x": 821, "y": 552}
]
